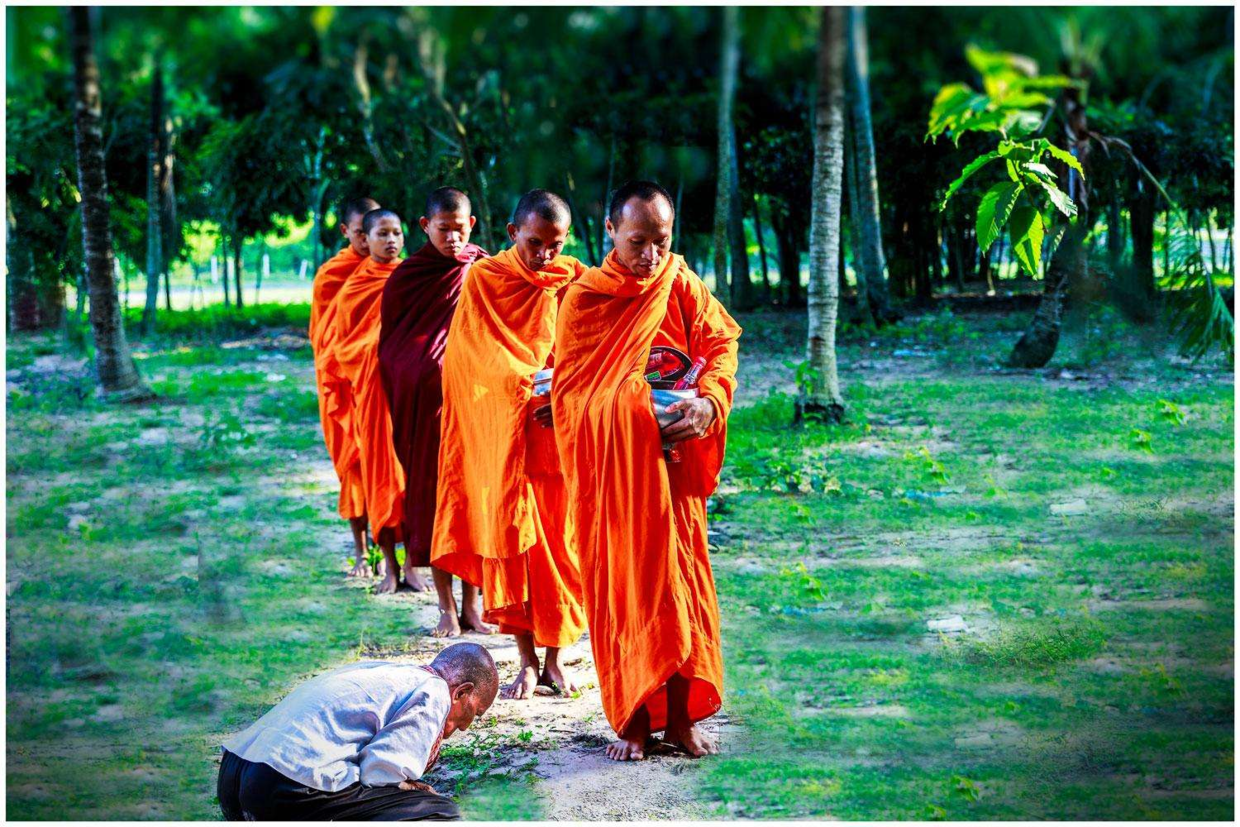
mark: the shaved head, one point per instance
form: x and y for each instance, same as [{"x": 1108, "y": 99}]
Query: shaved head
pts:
[
  {"x": 469, "y": 663},
  {"x": 544, "y": 204},
  {"x": 447, "y": 200},
  {"x": 356, "y": 206},
  {"x": 645, "y": 191},
  {"x": 374, "y": 217}
]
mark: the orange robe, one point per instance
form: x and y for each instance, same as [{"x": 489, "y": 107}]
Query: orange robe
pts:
[
  {"x": 500, "y": 513},
  {"x": 357, "y": 352},
  {"x": 334, "y": 401},
  {"x": 640, "y": 522}
]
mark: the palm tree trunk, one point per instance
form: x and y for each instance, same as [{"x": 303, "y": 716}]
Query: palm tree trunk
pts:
[
  {"x": 860, "y": 252},
  {"x": 765, "y": 282},
  {"x": 820, "y": 397},
  {"x": 117, "y": 374},
  {"x": 862, "y": 142},
  {"x": 726, "y": 149},
  {"x": 238, "y": 243},
  {"x": 154, "y": 206},
  {"x": 168, "y": 203}
]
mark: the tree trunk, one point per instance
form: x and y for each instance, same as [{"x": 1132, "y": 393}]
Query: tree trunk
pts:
[
  {"x": 765, "y": 282},
  {"x": 154, "y": 201},
  {"x": 861, "y": 268},
  {"x": 725, "y": 150},
  {"x": 1037, "y": 344},
  {"x": 168, "y": 203},
  {"x": 25, "y": 310},
  {"x": 1142, "y": 211},
  {"x": 238, "y": 243},
  {"x": 788, "y": 248},
  {"x": 821, "y": 398},
  {"x": 862, "y": 142},
  {"x": 586, "y": 235},
  {"x": 604, "y": 240},
  {"x": 114, "y": 365},
  {"x": 223, "y": 248}
]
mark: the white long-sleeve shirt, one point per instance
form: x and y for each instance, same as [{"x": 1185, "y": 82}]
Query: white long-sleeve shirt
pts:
[{"x": 374, "y": 722}]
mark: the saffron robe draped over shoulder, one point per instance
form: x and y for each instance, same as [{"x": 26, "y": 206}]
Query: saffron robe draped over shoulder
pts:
[
  {"x": 418, "y": 303},
  {"x": 357, "y": 352},
  {"x": 500, "y": 517},
  {"x": 640, "y": 523},
  {"x": 334, "y": 398}
]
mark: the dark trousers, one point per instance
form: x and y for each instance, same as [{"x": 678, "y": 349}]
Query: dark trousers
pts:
[{"x": 255, "y": 792}]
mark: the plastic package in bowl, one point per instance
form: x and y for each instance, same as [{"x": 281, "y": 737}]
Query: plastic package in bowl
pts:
[{"x": 542, "y": 382}]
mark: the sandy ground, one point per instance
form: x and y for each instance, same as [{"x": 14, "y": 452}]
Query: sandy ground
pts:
[{"x": 574, "y": 779}]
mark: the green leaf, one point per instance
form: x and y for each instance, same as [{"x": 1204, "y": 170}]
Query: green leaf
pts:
[
  {"x": 974, "y": 165},
  {"x": 1042, "y": 169},
  {"x": 1058, "y": 197},
  {"x": 1067, "y": 157},
  {"x": 994, "y": 210},
  {"x": 1026, "y": 231},
  {"x": 1052, "y": 244}
]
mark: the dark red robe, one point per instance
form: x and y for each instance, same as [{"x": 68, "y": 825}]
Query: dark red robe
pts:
[{"x": 418, "y": 302}]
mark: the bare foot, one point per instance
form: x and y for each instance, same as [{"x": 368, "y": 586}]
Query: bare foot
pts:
[
  {"x": 627, "y": 750},
  {"x": 381, "y": 568},
  {"x": 471, "y": 620},
  {"x": 448, "y": 625},
  {"x": 388, "y": 585},
  {"x": 414, "y": 580},
  {"x": 360, "y": 569},
  {"x": 555, "y": 677},
  {"x": 523, "y": 687},
  {"x": 694, "y": 740}
]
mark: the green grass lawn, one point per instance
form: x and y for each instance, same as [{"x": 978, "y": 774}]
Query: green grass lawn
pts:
[{"x": 988, "y": 595}]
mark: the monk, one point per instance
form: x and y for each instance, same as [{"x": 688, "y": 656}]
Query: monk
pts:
[
  {"x": 640, "y": 520},
  {"x": 418, "y": 302},
  {"x": 500, "y": 515},
  {"x": 334, "y": 402},
  {"x": 357, "y": 351}
]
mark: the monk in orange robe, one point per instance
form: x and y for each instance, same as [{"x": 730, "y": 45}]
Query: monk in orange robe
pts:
[
  {"x": 500, "y": 514},
  {"x": 640, "y": 520},
  {"x": 357, "y": 352},
  {"x": 334, "y": 402}
]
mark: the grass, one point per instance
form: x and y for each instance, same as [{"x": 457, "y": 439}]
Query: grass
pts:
[{"x": 976, "y": 599}]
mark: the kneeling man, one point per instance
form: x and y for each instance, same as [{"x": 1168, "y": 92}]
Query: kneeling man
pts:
[{"x": 351, "y": 745}]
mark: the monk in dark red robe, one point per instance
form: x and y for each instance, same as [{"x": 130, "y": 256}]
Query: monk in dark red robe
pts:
[{"x": 418, "y": 302}]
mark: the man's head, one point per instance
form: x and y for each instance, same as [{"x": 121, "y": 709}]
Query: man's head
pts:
[
  {"x": 351, "y": 214},
  {"x": 384, "y": 235},
  {"x": 448, "y": 220},
  {"x": 540, "y": 227},
  {"x": 639, "y": 221},
  {"x": 473, "y": 682}
]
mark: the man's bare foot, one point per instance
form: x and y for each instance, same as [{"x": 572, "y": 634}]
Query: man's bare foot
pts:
[
  {"x": 693, "y": 739},
  {"x": 381, "y": 568},
  {"x": 388, "y": 585},
  {"x": 471, "y": 620},
  {"x": 523, "y": 687},
  {"x": 360, "y": 569},
  {"x": 414, "y": 580},
  {"x": 627, "y": 750},
  {"x": 554, "y": 676},
  {"x": 448, "y": 625}
]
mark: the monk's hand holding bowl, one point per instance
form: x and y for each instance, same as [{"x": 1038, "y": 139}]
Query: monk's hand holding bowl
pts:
[
  {"x": 699, "y": 416},
  {"x": 542, "y": 415}
]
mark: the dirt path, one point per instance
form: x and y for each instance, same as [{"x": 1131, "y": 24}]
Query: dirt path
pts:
[{"x": 573, "y": 778}]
